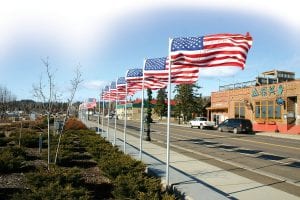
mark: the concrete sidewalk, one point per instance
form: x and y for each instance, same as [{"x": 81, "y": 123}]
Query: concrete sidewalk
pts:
[
  {"x": 279, "y": 135},
  {"x": 196, "y": 179}
]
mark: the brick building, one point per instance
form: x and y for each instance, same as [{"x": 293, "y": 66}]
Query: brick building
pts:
[{"x": 270, "y": 102}]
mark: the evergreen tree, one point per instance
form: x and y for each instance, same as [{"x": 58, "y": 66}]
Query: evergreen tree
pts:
[
  {"x": 186, "y": 103},
  {"x": 161, "y": 106},
  {"x": 201, "y": 104}
]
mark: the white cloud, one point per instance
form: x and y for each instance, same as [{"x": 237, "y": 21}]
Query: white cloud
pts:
[
  {"x": 218, "y": 72},
  {"x": 80, "y": 24},
  {"x": 94, "y": 84},
  {"x": 286, "y": 11}
]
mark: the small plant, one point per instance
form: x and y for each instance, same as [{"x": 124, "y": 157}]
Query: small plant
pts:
[
  {"x": 4, "y": 141},
  {"x": 30, "y": 138},
  {"x": 40, "y": 123},
  {"x": 2, "y": 134},
  {"x": 57, "y": 184},
  {"x": 137, "y": 186},
  {"x": 12, "y": 159},
  {"x": 74, "y": 124}
]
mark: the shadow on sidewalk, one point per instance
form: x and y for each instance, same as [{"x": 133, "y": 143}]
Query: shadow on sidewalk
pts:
[{"x": 161, "y": 173}]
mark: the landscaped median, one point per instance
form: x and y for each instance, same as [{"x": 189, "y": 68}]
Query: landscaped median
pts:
[{"x": 88, "y": 167}]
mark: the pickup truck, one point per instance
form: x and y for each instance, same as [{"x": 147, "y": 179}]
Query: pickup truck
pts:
[{"x": 202, "y": 122}]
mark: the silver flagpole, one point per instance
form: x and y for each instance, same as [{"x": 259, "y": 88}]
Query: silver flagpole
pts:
[
  {"x": 125, "y": 119},
  {"x": 108, "y": 113},
  {"x": 169, "y": 116},
  {"x": 142, "y": 115},
  {"x": 115, "y": 133},
  {"x": 102, "y": 113},
  {"x": 99, "y": 115}
]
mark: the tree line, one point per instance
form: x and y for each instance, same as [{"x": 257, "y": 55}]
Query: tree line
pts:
[{"x": 189, "y": 103}]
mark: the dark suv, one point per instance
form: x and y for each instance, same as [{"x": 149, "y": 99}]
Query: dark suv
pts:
[{"x": 236, "y": 125}]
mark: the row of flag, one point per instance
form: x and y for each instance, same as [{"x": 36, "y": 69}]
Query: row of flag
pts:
[
  {"x": 187, "y": 55},
  {"x": 90, "y": 103}
]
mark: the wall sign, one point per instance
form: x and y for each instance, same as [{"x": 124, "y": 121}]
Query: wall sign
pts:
[
  {"x": 279, "y": 101},
  {"x": 267, "y": 91}
]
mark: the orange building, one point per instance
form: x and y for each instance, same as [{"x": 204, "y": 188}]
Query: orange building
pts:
[{"x": 270, "y": 102}]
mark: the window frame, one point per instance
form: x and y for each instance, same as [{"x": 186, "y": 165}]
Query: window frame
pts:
[
  {"x": 239, "y": 109},
  {"x": 262, "y": 110}
]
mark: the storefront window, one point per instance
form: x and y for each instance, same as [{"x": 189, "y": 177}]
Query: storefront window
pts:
[
  {"x": 239, "y": 110},
  {"x": 264, "y": 109},
  {"x": 257, "y": 109},
  {"x": 267, "y": 110},
  {"x": 277, "y": 112},
  {"x": 242, "y": 112},
  {"x": 236, "y": 112},
  {"x": 270, "y": 109}
]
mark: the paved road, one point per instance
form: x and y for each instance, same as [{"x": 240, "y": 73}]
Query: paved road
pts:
[{"x": 263, "y": 159}]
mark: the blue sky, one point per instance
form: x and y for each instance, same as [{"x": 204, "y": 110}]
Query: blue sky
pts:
[{"x": 106, "y": 39}]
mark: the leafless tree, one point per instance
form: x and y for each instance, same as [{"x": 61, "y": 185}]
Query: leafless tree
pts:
[
  {"x": 75, "y": 82},
  {"x": 47, "y": 94},
  {"x": 7, "y": 101}
]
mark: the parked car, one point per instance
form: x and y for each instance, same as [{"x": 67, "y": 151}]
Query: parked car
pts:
[
  {"x": 201, "y": 122},
  {"x": 236, "y": 125}
]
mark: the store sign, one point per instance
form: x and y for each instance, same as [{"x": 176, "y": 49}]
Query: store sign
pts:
[{"x": 267, "y": 91}]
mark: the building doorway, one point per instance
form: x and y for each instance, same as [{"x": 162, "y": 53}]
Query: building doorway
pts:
[{"x": 291, "y": 111}]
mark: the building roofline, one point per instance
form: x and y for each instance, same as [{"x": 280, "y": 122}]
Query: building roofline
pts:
[{"x": 274, "y": 71}]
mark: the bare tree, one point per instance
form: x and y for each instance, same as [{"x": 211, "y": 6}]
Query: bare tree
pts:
[
  {"x": 7, "y": 101},
  {"x": 47, "y": 94},
  {"x": 74, "y": 86}
]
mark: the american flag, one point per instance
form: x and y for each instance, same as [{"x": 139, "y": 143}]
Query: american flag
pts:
[
  {"x": 156, "y": 70},
  {"x": 106, "y": 93},
  {"x": 217, "y": 50},
  {"x": 134, "y": 79},
  {"x": 121, "y": 84},
  {"x": 113, "y": 90},
  {"x": 90, "y": 103},
  {"x": 121, "y": 88}
]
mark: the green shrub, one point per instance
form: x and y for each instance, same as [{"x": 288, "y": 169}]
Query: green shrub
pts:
[
  {"x": 128, "y": 175},
  {"x": 4, "y": 141},
  {"x": 40, "y": 123},
  {"x": 2, "y": 134},
  {"x": 31, "y": 141},
  {"x": 12, "y": 159},
  {"x": 137, "y": 186},
  {"x": 60, "y": 175},
  {"x": 53, "y": 191},
  {"x": 116, "y": 164},
  {"x": 29, "y": 138},
  {"x": 57, "y": 184}
]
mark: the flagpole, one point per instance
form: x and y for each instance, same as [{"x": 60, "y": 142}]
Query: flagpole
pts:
[
  {"x": 86, "y": 112},
  {"x": 99, "y": 115},
  {"x": 115, "y": 133},
  {"x": 125, "y": 119},
  {"x": 169, "y": 116},
  {"x": 107, "y": 134},
  {"x": 142, "y": 114},
  {"x": 102, "y": 113}
]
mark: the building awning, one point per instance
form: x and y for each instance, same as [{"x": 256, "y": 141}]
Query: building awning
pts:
[{"x": 217, "y": 108}]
